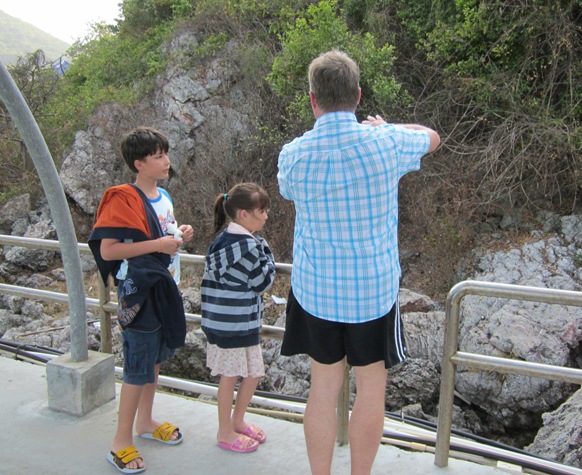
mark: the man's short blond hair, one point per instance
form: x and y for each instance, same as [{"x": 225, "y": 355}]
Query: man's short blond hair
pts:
[{"x": 334, "y": 79}]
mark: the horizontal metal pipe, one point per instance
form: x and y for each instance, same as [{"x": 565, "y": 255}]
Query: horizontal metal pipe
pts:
[
  {"x": 35, "y": 293},
  {"x": 52, "y": 245},
  {"x": 524, "y": 368},
  {"x": 267, "y": 331},
  {"x": 512, "y": 291}
]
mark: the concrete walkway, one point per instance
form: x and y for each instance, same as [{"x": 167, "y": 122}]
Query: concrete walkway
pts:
[{"x": 37, "y": 440}]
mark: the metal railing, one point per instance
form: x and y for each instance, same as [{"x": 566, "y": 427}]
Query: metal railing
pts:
[
  {"x": 453, "y": 357},
  {"x": 104, "y": 308}
]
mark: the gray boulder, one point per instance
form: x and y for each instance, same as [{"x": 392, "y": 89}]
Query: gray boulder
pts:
[
  {"x": 94, "y": 162},
  {"x": 424, "y": 335},
  {"x": 414, "y": 381},
  {"x": 560, "y": 438},
  {"x": 190, "y": 360},
  {"x": 15, "y": 210},
  {"x": 36, "y": 260},
  {"x": 530, "y": 331}
]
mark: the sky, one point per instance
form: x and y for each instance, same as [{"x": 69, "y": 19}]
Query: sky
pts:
[{"x": 67, "y": 20}]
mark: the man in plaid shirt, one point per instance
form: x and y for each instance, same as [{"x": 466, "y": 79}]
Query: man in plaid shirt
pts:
[{"x": 343, "y": 305}]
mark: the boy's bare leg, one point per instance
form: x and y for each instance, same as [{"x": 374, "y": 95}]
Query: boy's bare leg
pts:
[
  {"x": 145, "y": 421},
  {"x": 244, "y": 395},
  {"x": 129, "y": 399},
  {"x": 320, "y": 422},
  {"x": 367, "y": 419},
  {"x": 225, "y": 399}
]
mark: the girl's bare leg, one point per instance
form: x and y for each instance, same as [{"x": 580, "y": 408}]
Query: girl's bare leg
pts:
[
  {"x": 244, "y": 395},
  {"x": 225, "y": 397}
]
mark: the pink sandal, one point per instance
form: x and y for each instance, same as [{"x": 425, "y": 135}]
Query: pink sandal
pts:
[
  {"x": 242, "y": 444},
  {"x": 255, "y": 433}
]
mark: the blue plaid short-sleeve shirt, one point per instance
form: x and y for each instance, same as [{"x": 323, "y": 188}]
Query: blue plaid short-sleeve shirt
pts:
[{"x": 343, "y": 179}]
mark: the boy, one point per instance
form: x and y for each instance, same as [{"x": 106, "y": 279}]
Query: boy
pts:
[{"x": 130, "y": 241}]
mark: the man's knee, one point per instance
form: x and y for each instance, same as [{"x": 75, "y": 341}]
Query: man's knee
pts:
[{"x": 371, "y": 378}]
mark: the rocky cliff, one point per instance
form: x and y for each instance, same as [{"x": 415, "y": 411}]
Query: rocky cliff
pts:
[
  {"x": 513, "y": 409},
  {"x": 207, "y": 112}
]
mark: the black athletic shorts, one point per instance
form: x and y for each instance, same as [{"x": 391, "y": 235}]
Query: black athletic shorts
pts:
[{"x": 328, "y": 342}]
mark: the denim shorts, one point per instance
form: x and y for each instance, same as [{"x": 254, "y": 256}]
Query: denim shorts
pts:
[{"x": 142, "y": 351}]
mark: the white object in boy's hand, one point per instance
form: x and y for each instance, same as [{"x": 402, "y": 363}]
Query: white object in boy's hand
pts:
[{"x": 173, "y": 229}]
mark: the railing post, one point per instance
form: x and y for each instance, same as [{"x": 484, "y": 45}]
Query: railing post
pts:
[
  {"x": 104, "y": 317},
  {"x": 343, "y": 409},
  {"x": 448, "y": 373}
]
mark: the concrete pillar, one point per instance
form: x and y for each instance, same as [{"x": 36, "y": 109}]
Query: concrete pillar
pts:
[{"x": 79, "y": 387}]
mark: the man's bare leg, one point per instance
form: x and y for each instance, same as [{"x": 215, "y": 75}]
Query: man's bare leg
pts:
[
  {"x": 367, "y": 419},
  {"x": 320, "y": 422}
]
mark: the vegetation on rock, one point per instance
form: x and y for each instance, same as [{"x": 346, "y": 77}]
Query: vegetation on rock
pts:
[{"x": 500, "y": 81}]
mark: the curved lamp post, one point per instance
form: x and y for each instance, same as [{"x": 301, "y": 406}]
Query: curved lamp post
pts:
[{"x": 51, "y": 183}]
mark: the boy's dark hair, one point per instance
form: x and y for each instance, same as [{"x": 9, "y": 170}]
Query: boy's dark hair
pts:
[
  {"x": 247, "y": 196},
  {"x": 141, "y": 142}
]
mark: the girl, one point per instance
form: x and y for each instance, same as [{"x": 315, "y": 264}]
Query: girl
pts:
[{"x": 239, "y": 268}]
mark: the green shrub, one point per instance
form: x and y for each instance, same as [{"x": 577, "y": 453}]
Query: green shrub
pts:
[
  {"x": 140, "y": 16},
  {"x": 322, "y": 28}
]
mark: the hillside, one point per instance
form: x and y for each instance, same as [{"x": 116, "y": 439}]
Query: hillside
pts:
[
  {"x": 18, "y": 38},
  {"x": 500, "y": 83}
]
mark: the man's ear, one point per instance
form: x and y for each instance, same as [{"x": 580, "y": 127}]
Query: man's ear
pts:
[
  {"x": 316, "y": 109},
  {"x": 312, "y": 99},
  {"x": 138, "y": 164}
]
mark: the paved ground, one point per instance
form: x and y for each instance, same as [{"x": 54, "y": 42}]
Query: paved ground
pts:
[{"x": 37, "y": 440}]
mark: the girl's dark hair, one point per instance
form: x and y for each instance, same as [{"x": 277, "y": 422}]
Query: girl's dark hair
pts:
[
  {"x": 141, "y": 142},
  {"x": 247, "y": 196}
]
